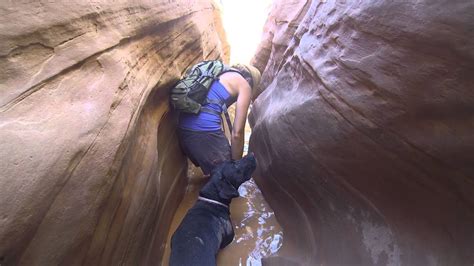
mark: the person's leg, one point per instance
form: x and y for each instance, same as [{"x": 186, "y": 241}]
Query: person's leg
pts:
[
  {"x": 186, "y": 137},
  {"x": 217, "y": 150},
  {"x": 206, "y": 149}
]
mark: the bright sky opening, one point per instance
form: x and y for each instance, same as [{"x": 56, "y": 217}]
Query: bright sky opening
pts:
[{"x": 243, "y": 22}]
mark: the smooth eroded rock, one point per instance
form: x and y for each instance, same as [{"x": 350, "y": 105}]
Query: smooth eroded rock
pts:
[
  {"x": 90, "y": 170},
  {"x": 364, "y": 133}
]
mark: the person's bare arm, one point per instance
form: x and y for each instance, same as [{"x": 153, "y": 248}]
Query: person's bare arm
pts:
[{"x": 238, "y": 131}]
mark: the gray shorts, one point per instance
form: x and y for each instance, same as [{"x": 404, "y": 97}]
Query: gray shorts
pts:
[{"x": 205, "y": 149}]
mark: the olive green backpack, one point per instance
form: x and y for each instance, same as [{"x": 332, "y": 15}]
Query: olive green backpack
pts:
[{"x": 189, "y": 95}]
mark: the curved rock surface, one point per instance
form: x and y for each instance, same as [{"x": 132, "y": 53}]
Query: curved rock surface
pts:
[
  {"x": 364, "y": 133},
  {"x": 90, "y": 170}
]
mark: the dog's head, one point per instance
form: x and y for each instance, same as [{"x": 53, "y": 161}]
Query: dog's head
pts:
[{"x": 228, "y": 176}]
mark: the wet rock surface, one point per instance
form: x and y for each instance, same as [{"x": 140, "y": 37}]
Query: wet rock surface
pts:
[
  {"x": 364, "y": 133},
  {"x": 90, "y": 169}
]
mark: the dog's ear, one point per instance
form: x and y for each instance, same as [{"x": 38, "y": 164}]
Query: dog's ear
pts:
[{"x": 227, "y": 190}]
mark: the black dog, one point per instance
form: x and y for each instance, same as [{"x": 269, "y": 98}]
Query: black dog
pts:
[{"x": 207, "y": 227}]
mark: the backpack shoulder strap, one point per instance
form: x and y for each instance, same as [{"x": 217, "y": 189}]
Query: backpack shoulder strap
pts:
[
  {"x": 221, "y": 103},
  {"x": 227, "y": 118},
  {"x": 229, "y": 69},
  {"x": 224, "y": 110}
]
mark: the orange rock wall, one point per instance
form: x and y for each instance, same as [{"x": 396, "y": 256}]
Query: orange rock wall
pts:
[
  {"x": 364, "y": 133},
  {"x": 90, "y": 169}
]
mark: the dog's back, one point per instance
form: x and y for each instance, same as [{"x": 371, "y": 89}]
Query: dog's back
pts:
[{"x": 197, "y": 239}]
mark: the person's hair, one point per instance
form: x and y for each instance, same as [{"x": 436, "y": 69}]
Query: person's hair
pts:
[{"x": 245, "y": 73}]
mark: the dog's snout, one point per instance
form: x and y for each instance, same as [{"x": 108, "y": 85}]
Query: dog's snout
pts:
[{"x": 248, "y": 163}]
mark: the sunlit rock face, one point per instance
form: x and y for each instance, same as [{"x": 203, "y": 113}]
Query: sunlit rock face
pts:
[
  {"x": 364, "y": 134},
  {"x": 90, "y": 169}
]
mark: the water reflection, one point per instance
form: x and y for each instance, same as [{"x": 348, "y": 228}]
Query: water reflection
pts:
[{"x": 257, "y": 233}]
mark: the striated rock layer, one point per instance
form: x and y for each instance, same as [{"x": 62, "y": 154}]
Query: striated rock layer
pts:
[
  {"x": 365, "y": 133},
  {"x": 90, "y": 169}
]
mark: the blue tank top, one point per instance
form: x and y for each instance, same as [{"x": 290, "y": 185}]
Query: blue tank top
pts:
[{"x": 206, "y": 121}]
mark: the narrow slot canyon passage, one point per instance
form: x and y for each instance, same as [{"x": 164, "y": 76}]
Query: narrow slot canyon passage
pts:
[
  {"x": 257, "y": 233},
  {"x": 363, "y": 130}
]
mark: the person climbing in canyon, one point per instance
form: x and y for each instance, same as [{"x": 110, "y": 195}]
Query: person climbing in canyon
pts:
[{"x": 201, "y": 134}]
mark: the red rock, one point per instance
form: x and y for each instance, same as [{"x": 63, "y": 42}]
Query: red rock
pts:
[
  {"x": 90, "y": 169},
  {"x": 364, "y": 133}
]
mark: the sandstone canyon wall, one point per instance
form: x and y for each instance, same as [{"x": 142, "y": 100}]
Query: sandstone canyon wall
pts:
[
  {"x": 90, "y": 170},
  {"x": 364, "y": 134}
]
